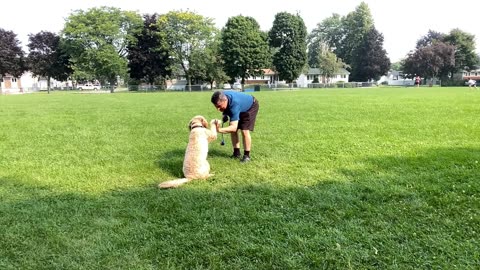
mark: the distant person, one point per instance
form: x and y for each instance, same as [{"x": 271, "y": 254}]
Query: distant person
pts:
[
  {"x": 417, "y": 81},
  {"x": 471, "y": 83}
]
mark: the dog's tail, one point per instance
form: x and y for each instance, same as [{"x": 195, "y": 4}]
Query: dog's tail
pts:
[{"x": 173, "y": 183}]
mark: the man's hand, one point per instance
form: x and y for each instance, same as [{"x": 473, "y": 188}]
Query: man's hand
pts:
[{"x": 225, "y": 118}]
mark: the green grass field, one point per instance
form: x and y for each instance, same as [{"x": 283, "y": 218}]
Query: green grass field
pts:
[{"x": 385, "y": 178}]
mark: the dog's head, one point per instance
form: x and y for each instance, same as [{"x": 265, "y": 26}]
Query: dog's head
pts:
[{"x": 198, "y": 121}]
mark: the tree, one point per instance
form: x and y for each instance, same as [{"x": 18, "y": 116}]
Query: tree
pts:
[
  {"x": 371, "y": 61},
  {"x": 288, "y": 36},
  {"x": 430, "y": 61},
  {"x": 329, "y": 32},
  {"x": 465, "y": 56},
  {"x": 244, "y": 48},
  {"x": 187, "y": 33},
  {"x": 97, "y": 41},
  {"x": 148, "y": 55},
  {"x": 11, "y": 54},
  {"x": 430, "y": 38},
  {"x": 321, "y": 57},
  {"x": 209, "y": 64},
  {"x": 356, "y": 25},
  {"x": 47, "y": 57}
]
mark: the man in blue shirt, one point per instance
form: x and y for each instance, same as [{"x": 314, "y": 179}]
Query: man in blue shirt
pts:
[{"x": 242, "y": 110}]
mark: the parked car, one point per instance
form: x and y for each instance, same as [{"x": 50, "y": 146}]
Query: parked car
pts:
[
  {"x": 237, "y": 86},
  {"x": 88, "y": 86}
]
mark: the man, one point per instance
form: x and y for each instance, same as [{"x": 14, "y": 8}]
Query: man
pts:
[
  {"x": 242, "y": 110},
  {"x": 471, "y": 83}
]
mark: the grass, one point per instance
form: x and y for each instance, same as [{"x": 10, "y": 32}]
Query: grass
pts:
[{"x": 383, "y": 178}]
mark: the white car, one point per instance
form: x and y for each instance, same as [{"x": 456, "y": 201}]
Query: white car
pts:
[
  {"x": 237, "y": 86},
  {"x": 88, "y": 86}
]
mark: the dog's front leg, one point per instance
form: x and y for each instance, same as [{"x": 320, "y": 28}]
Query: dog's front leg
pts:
[{"x": 212, "y": 133}]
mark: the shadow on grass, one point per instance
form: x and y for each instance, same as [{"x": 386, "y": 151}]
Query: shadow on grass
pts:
[{"x": 382, "y": 219}]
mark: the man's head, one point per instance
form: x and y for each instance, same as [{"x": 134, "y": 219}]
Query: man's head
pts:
[{"x": 219, "y": 100}]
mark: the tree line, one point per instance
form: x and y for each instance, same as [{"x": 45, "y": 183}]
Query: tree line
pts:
[{"x": 107, "y": 43}]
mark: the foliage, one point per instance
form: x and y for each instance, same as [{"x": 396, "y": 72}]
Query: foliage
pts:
[
  {"x": 354, "y": 40},
  {"x": 465, "y": 56},
  {"x": 430, "y": 38},
  {"x": 209, "y": 64},
  {"x": 356, "y": 26},
  {"x": 464, "y": 46},
  {"x": 48, "y": 58},
  {"x": 324, "y": 59},
  {"x": 372, "y": 61},
  {"x": 288, "y": 37},
  {"x": 187, "y": 34},
  {"x": 244, "y": 48},
  {"x": 11, "y": 54},
  {"x": 329, "y": 32},
  {"x": 97, "y": 41},
  {"x": 148, "y": 56},
  {"x": 430, "y": 61}
]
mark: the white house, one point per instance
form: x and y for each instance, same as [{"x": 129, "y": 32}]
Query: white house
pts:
[
  {"x": 27, "y": 83},
  {"x": 313, "y": 74},
  {"x": 395, "y": 77}
]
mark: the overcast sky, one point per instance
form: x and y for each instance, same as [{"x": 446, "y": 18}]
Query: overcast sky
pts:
[{"x": 402, "y": 22}]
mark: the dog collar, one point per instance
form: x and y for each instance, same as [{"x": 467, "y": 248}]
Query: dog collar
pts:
[{"x": 196, "y": 127}]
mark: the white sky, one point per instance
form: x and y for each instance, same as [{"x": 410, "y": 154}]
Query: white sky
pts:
[{"x": 401, "y": 22}]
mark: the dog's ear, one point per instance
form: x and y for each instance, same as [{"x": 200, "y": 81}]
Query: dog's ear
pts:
[{"x": 190, "y": 124}]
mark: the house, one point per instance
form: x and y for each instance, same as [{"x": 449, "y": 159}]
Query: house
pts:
[
  {"x": 268, "y": 77},
  {"x": 395, "y": 77},
  {"x": 472, "y": 74},
  {"x": 314, "y": 74},
  {"x": 26, "y": 83}
]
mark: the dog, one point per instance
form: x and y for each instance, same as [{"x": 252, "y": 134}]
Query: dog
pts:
[{"x": 195, "y": 164}]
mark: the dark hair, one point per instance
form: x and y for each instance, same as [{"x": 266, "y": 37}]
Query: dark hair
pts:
[{"x": 217, "y": 96}]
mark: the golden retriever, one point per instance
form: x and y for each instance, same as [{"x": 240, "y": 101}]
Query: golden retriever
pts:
[{"x": 195, "y": 164}]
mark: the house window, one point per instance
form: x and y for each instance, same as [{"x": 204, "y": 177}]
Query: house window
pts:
[
  {"x": 344, "y": 76},
  {"x": 14, "y": 79}
]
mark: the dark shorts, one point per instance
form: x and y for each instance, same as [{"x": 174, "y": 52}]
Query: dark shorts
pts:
[{"x": 247, "y": 119}]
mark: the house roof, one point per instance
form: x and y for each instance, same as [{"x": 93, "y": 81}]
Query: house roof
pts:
[{"x": 316, "y": 71}]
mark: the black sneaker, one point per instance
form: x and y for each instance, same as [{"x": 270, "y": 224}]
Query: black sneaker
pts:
[
  {"x": 245, "y": 159},
  {"x": 235, "y": 156}
]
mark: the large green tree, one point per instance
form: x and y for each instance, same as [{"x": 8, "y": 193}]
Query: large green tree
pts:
[
  {"x": 465, "y": 56},
  {"x": 187, "y": 34},
  {"x": 355, "y": 27},
  {"x": 97, "y": 41},
  {"x": 430, "y": 61},
  {"x": 372, "y": 61},
  {"x": 209, "y": 64},
  {"x": 288, "y": 37},
  {"x": 244, "y": 48},
  {"x": 329, "y": 32},
  {"x": 47, "y": 57},
  {"x": 11, "y": 54},
  {"x": 148, "y": 55}
]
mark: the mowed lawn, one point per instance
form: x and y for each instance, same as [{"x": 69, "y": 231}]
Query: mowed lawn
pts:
[{"x": 382, "y": 178}]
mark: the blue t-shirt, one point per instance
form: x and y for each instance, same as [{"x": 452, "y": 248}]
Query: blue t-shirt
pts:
[{"x": 237, "y": 103}]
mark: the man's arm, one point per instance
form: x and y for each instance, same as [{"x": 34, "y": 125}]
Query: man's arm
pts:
[{"x": 232, "y": 128}]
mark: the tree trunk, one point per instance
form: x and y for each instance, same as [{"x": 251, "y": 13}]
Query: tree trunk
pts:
[{"x": 48, "y": 84}]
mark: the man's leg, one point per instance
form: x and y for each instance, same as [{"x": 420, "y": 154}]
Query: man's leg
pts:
[
  {"x": 247, "y": 143},
  {"x": 235, "y": 144},
  {"x": 247, "y": 140}
]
